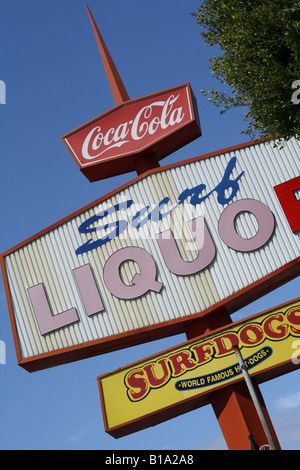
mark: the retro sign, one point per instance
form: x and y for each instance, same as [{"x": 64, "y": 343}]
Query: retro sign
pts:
[
  {"x": 161, "y": 386},
  {"x": 165, "y": 249},
  {"x": 152, "y": 126}
]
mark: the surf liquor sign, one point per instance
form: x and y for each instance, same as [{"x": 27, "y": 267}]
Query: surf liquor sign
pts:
[
  {"x": 161, "y": 386},
  {"x": 165, "y": 249},
  {"x": 152, "y": 126}
]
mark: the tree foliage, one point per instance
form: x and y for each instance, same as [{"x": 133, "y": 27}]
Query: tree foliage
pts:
[{"x": 259, "y": 41}]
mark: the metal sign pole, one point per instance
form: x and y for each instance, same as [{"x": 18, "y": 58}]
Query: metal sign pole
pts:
[{"x": 254, "y": 398}]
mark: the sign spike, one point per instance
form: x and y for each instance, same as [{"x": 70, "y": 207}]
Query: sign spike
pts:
[{"x": 117, "y": 87}]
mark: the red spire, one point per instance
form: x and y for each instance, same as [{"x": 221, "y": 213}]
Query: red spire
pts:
[{"x": 117, "y": 87}]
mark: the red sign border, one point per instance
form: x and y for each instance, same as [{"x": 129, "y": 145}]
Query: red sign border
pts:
[{"x": 104, "y": 345}]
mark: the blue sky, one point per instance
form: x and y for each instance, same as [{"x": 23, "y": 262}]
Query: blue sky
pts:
[{"x": 55, "y": 81}]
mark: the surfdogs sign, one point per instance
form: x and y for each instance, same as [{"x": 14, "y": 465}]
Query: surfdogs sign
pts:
[{"x": 161, "y": 386}]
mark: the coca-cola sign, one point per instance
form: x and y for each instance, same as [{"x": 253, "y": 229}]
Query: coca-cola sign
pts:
[{"x": 153, "y": 126}]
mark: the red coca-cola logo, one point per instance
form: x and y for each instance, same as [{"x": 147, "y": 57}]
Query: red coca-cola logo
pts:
[
  {"x": 134, "y": 127},
  {"x": 153, "y": 119}
]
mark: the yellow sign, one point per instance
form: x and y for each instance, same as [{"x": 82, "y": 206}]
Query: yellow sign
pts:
[{"x": 179, "y": 379}]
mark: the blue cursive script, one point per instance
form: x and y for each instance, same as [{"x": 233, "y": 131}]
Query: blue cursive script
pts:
[{"x": 195, "y": 195}]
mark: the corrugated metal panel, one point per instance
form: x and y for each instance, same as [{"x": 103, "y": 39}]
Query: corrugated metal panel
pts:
[
  {"x": 51, "y": 258},
  {"x": 264, "y": 168}
]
